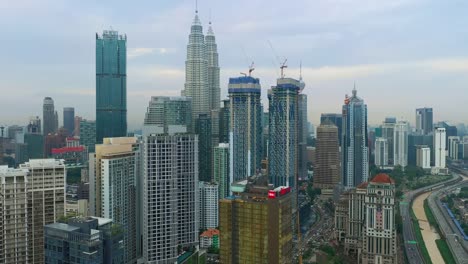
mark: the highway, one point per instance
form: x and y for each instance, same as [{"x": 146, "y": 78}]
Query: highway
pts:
[{"x": 412, "y": 249}]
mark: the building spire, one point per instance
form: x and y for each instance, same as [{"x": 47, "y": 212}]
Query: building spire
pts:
[
  {"x": 354, "y": 89},
  {"x": 196, "y": 6}
]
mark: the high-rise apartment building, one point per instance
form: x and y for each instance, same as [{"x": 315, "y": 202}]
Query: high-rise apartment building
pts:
[
  {"x": 203, "y": 130},
  {"x": 423, "y": 157},
  {"x": 327, "y": 166},
  {"x": 88, "y": 134},
  {"x": 439, "y": 147},
  {"x": 13, "y": 216},
  {"x": 171, "y": 111},
  {"x": 69, "y": 120},
  {"x": 381, "y": 152},
  {"x": 209, "y": 198},
  {"x": 255, "y": 224},
  {"x": 424, "y": 121},
  {"x": 453, "y": 147},
  {"x": 355, "y": 150},
  {"x": 46, "y": 201},
  {"x": 111, "y": 85},
  {"x": 400, "y": 144},
  {"x": 336, "y": 119},
  {"x": 282, "y": 147},
  {"x": 48, "y": 116},
  {"x": 221, "y": 169},
  {"x": 245, "y": 127},
  {"x": 379, "y": 237}
]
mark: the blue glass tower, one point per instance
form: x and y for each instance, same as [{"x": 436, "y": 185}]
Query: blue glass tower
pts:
[{"x": 111, "y": 85}]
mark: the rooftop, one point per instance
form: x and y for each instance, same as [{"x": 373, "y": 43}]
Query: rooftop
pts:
[
  {"x": 382, "y": 178},
  {"x": 210, "y": 232}
]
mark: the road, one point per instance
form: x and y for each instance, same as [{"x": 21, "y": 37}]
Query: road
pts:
[{"x": 413, "y": 252}]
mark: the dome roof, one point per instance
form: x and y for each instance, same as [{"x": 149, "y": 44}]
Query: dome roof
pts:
[{"x": 382, "y": 178}]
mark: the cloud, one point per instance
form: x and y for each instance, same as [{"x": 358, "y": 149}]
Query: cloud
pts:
[{"x": 138, "y": 52}]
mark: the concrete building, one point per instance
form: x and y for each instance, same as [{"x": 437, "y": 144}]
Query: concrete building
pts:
[
  {"x": 415, "y": 140},
  {"x": 388, "y": 132},
  {"x": 400, "y": 144},
  {"x": 336, "y": 119},
  {"x": 424, "y": 121},
  {"x": 208, "y": 205},
  {"x": 84, "y": 240},
  {"x": 69, "y": 120},
  {"x": 423, "y": 157},
  {"x": 327, "y": 166},
  {"x": 439, "y": 148},
  {"x": 355, "y": 150},
  {"x": 255, "y": 224},
  {"x": 46, "y": 201},
  {"x": 245, "y": 127},
  {"x": 381, "y": 152},
  {"x": 221, "y": 169},
  {"x": 380, "y": 237},
  {"x": 48, "y": 116},
  {"x": 453, "y": 147},
  {"x": 13, "y": 216},
  {"x": 210, "y": 238}
]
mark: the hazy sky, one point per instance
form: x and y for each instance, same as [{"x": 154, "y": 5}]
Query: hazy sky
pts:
[{"x": 402, "y": 54}]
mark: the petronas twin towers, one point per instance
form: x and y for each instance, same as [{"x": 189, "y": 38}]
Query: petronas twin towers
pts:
[{"x": 202, "y": 71}]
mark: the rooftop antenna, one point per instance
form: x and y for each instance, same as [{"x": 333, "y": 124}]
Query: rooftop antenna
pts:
[
  {"x": 300, "y": 70},
  {"x": 209, "y": 16},
  {"x": 283, "y": 65},
  {"x": 251, "y": 68},
  {"x": 196, "y": 6}
]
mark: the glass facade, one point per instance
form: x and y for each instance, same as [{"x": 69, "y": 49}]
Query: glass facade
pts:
[
  {"x": 203, "y": 130},
  {"x": 88, "y": 135},
  {"x": 111, "y": 85}
]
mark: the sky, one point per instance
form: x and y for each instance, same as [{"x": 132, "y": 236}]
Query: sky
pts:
[{"x": 400, "y": 54}]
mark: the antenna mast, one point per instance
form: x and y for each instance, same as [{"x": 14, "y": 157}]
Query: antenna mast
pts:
[{"x": 283, "y": 65}]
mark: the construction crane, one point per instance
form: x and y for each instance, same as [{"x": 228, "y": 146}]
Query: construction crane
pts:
[
  {"x": 251, "y": 68},
  {"x": 283, "y": 65}
]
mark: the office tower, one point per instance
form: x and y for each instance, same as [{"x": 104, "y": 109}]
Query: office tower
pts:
[
  {"x": 84, "y": 240},
  {"x": 450, "y": 131},
  {"x": 35, "y": 145},
  {"x": 355, "y": 151},
  {"x": 203, "y": 130},
  {"x": 171, "y": 111},
  {"x": 224, "y": 114},
  {"x": 34, "y": 126},
  {"x": 221, "y": 169},
  {"x": 424, "y": 121},
  {"x": 381, "y": 152},
  {"x": 337, "y": 120},
  {"x": 246, "y": 127},
  {"x": 69, "y": 120},
  {"x": 423, "y": 157},
  {"x": 48, "y": 116},
  {"x": 170, "y": 193},
  {"x": 327, "y": 167},
  {"x": 453, "y": 147},
  {"x": 380, "y": 238},
  {"x": 282, "y": 147},
  {"x": 21, "y": 153},
  {"x": 388, "y": 132},
  {"x": 114, "y": 172},
  {"x": 400, "y": 144},
  {"x": 111, "y": 85},
  {"x": 13, "y": 216},
  {"x": 77, "y": 121},
  {"x": 212, "y": 69},
  {"x": 88, "y": 134},
  {"x": 415, "y": 140},
  {"x": 255, "y": 225},
  {"x": 46, "y": 201},
  {"x": 208, "y": 205},
  {"x": 302, "y": 133},
  {"x": 265, "y": 134},
  {"x": 439, "y": 147}
]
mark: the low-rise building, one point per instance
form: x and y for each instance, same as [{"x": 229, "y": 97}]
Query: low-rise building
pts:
[{"x": 209, "y": 238}]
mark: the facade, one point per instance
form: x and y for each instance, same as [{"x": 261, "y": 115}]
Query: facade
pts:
[
  {"x": 381, "y": 152},
  {"x": 221, "y": 169},
  {"x": 282, "y": 147},
  {"x": 355, "y": 150},
  {"x": 224, "y": 124},
  {"x": 48, "y": 116},
  {"x": 423, "y": 157},
  {"x": 203, "y": 130},
  {"x": 56, "y": 140},
  {"x": 13, "y": 216},
  {"x": 400, "y": 144},
  {"x": 255, "y": 225},
  {"x": 453, "y": 147},
  {"x": 415, "y": 140},
  {"x": 170, "y": 111},
  {"x": 380, "y": 238},
  {"x": 35, "y": 145},
  {"x": 69, "y": 120},
  {"x": 111, "y": 85},
  {"x": 46, "y": 201},
  {"x": 88, "y": 134},
  {"x": 209, "y": 238},
  {"x": 424, "y": 121},
  {"x": 356, "y": 218},
  {"x": 34, "y": 126},
  {"x": 245, "y": 127},
  {"x": 302, "y": 133},
  {"x": 84, "y": 240},
  {"x": 388, "y": 132},
  {"x": 212, "y": 69},
  {"x": 439, "y": 147},
  {"x": 70, "y": 155},
  {"x": 327, "y": 166},
  {"x": 76, "y": 133},
  {"x": 170, "y": 194},
  {"x": 336, "y": 119},
  {"x": 208, "y": 205}
]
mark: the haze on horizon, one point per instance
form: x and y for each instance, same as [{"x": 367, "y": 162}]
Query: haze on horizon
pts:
[{"x": 402, "y": 54}]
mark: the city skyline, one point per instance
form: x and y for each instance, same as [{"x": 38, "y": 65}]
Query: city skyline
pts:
[{"x": 335, "y": 43}]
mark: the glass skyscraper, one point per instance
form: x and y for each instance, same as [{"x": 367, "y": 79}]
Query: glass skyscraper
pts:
[
  {"x": 69, "y": 120},
  {"x": 111, "y": 85}
]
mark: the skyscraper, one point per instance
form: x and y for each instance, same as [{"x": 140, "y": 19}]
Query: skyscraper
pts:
[
  {"x": 205, "y": 160},
  {"x": 423, "y": 157},
  {"x": 246, "y": 127},
  {"x": 337, "y": 120},
  {"x": 208, "y": 205},
  {"x": 173, "y": 111},
  {"x": 327, "y": 167},
  {"x": 69, "y": 120},
  {"x": 381, "y": 152},
  {"x": 111, "y": 85},
  {"x": 224, "y": 114},
  {"x": 48, "y": 116},
  {"x": 302, "y": 133},
  {"x": 354, "y": 148},
  {"x": 388, "y": 132},
  {"x": 282, "y": 147},
  {"x": 424, "y": 121},
  {"x": 221, "y": 169},
  {"x": 439, "y": 147},
  {"x": 34, "y": 126},
  {"x": 400, "y": 144},
  {"x": 88, "y": 134}
]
